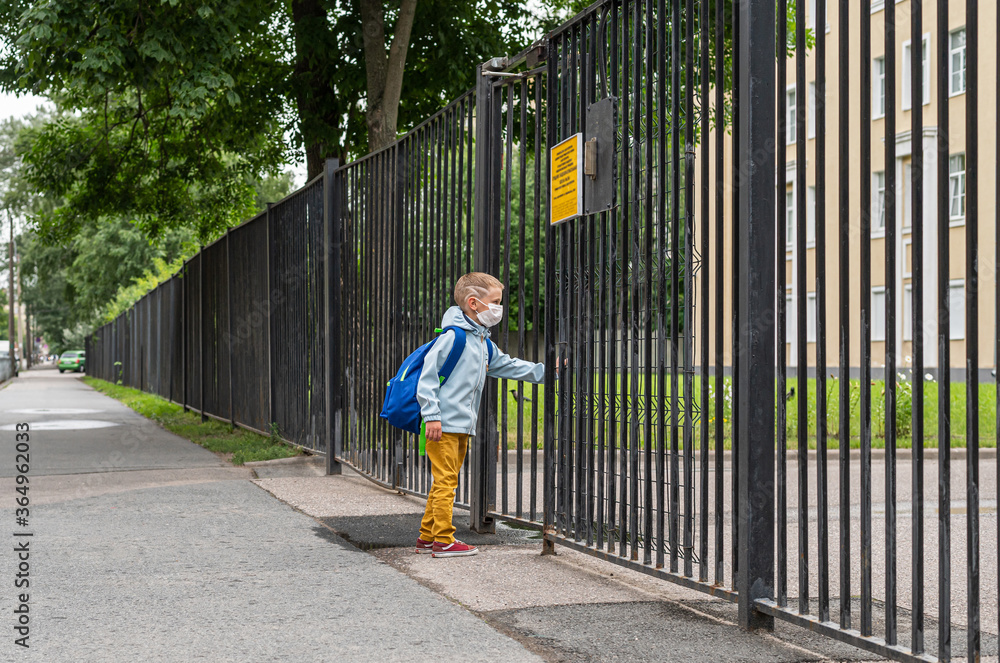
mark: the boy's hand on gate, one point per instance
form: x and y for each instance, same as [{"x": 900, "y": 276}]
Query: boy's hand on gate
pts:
[{"x": 433, "y": 431}]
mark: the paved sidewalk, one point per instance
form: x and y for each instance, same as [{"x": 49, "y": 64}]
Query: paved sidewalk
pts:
[
  {"x": 571, "y": 607},
  {"x": 186, "y": 560}
]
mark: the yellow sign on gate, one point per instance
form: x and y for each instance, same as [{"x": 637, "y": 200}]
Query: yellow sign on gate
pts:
[{"x": 566, "y": 179}]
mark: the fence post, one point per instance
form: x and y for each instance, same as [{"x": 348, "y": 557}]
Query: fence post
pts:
[
  {"x": 332, "y": 297},
  {"x": 398, "y": 224},
  {"x": 184, "y": 337},
  {"x": 484, "y": 445},
  {"x": 755, "y": 401},
  {"x": 201, "y": 330},
  {"x": 270, "y": 330},
  {"x": 229, "y": 326}
]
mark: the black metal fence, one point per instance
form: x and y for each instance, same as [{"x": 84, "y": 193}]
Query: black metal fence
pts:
[
  {"x": 239, "y": 333},
  {"x": 664, "y": 445}
]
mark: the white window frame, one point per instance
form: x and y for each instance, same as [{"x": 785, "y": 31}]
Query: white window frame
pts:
[
  {"x": 907, "y": 269},
  {"x": 790, "y": 219},
  {"x": 810, "y": 317},
  {"x": 810, "y": 217},
  {"x": 789, "y": 320},
  {"x": 907, "y": 225},
  {"x": 878, "y": 195},
  {"x": 791, "y": 130},
  {"x": 908, "y": 312},
  {"x": 962, "y": 53},
  {"x": 878, "y": 88},
  {"x": 811, "y": 14},
  {"x": 878, "y": 330},
  {"x": 811, "y": 111},
  {"x": 907, "y": 101},
  {"x": 956, "y": 317},
  {"x": 956, "y": 177}
]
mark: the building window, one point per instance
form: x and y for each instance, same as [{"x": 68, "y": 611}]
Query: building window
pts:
[
  {"x": 925, "y": 70},
  {"x": 789, "y": 320},
  {"x": 811, "y": 114},
  {"x": 956, "y": 66},
  {"x": 811, "y": 14},
  {"x": 956, "y": 312},
  {"x": 878, "y": 202},
  {"x": 907, "y": 198},
  {"x": 810, "y": 216},
  {"x": 956, "y": 189},
  {"x": 789, "y": 219},
  {"x": 878, "y": 88},
  {"x": 878, "y": 314},
  {"x": 811, "y": 317},
  {"x": 908, "y": 313},
  {"x": 790, "y": 117}
]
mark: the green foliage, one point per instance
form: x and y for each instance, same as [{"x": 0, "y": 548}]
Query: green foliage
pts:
[
  {"x": 169, "y": 109},
  {"x": 130, "y": 294},
  {"x": 239, "y": 445}
]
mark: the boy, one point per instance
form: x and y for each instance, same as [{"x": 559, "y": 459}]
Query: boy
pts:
[{"x": 450, "y": 411}]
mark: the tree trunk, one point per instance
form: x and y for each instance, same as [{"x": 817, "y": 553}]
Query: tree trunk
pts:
[
  {"x": 384, "y": 70},
  {"x": 314, "y": 93}
]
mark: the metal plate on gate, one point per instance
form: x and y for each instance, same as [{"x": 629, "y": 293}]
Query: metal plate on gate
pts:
[{"x": 599, "y": 182}]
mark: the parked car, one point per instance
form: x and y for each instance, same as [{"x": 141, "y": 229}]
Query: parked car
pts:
[{"x": 74, "y": 360}]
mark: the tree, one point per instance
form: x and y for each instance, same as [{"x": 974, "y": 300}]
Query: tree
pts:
[{"x": 172, "y": 112}]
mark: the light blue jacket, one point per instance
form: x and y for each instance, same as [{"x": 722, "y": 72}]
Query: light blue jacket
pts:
[{"x": 456, "y": 402}]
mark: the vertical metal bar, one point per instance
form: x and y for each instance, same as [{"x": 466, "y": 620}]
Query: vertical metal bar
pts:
[
  {"x": 891, "y": 634},
  {"x": 720, "y": 241},
  {"x": 537, "y": 326},
  {"x": 625, "y": 213},
  {"x": 972, "y": 325},
  {"x": 866, "y": 332},
  {"x": 704, "y": 44},
  {"x": 548, "y": 488},
  {"x": 822, "y": 500},
  {"x": 522, "y": 305},
  {"x": 229, "y": 324},
  {"x": 802, "y": 364},
  {"x": 634, "y": 246},
  {"x": 689, "y": 304},
  {"x": 485, "y": 141},
  {"x": 617, "y": 59},
  {"x": 270, "y": 309},
  {"x": 588, "y": 96},
  {"x": 916, "y": 191},
  {"x": 201, "y": 331},
  {"x": 944, "y": 342},
  {"x": 508, "y": 173},
  {"x": 662, "y": 334},
  {"x": 781, "y": 580},
  {"x": 648, "y": 489},
  {"x": 333, "y": 296},
  {"x": 737, "y": 75},
  {"x": 675, "y": 229},
  {"x": 755, "y": 190},
  {"x": 844, "y": 317}
]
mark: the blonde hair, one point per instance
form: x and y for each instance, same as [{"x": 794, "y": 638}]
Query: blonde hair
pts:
[{"x": 474, "y": 284}]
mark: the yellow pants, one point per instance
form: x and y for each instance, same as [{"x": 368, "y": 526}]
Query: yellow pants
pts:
[{"x": 446, "y": 458}]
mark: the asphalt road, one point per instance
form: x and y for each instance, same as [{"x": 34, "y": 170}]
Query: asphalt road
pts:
[{"x": 145, "y": 546}]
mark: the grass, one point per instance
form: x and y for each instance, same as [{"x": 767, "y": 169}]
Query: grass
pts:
[
  {"x": 237, "y": 445},
  {"x": 957, "y": 404}
]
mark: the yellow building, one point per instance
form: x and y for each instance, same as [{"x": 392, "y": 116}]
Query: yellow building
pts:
[{"x": 956, "y": 81}]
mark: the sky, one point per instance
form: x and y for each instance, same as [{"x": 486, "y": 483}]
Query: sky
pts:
[{"x": 11, "y": 106}]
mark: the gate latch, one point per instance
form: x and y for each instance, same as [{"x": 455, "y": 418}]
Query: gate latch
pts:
[
  {"x": 590, "y": 158},
  {"x": 599, "y": 147}
]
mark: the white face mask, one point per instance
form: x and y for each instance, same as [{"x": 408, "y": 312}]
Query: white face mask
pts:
[{"x": 492, "y": 316}]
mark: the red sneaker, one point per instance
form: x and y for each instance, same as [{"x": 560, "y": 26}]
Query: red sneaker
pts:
[
  {"x": 453, "y": 549},
  {"x": 424, "y": 547}
]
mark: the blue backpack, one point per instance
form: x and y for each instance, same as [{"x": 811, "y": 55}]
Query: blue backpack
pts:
[{"x": 401, "y": 408}]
